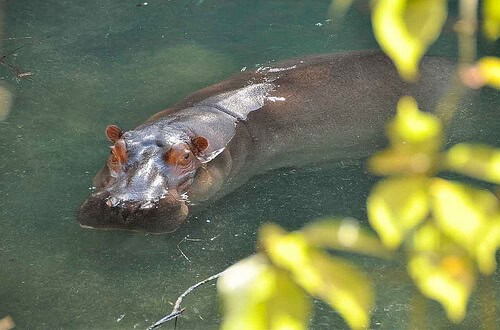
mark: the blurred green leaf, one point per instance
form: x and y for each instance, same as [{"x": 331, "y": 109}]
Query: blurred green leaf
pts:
[
  {"x": 461, "y": 212},
  {"x": 395, "y": 206},
  {"x": 441, "y": 269},
  {"x": 245, "y": 289},
  {"x": 256, "y": 295},
  {"x": 290, "y": 307},
  {"x": 413, "y": 129},
  {"x": 485, "y": 72},
  {"x": 401, "y": 162},
  {"x": 405, "y": 29},
  {"x": 426, "y": 238},
  {"x": 344, "y": 234},
  {"x": 489, "y": 68},
  {"x": 479, "y": 161},
  {"x": 330, "y": 279},
  {"x": 491, "y": 19},
  {"x": 487, "y": 246},
  {"x": 7, "y": 323},
  {"x": 447, "y": 278}
]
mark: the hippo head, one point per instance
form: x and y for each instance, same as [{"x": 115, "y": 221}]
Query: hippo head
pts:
[{"x": 144, "y": 184}]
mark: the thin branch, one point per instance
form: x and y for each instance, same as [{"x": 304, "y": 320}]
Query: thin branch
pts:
[
  {"x": 177, "y": 311},
  {"x": 466, "y": 29},
  {"x": 179, "y": 248},
  {"x": 14, "y": 50},
  {"x": 184, "y": 240},
  {"x": 21, "y": 74}
]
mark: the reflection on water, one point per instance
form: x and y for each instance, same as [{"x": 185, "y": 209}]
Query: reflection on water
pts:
[{"x": 114, "y": 62}]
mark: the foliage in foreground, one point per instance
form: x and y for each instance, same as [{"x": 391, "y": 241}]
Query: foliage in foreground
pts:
[
  {"x": 448, "y": 231},
  {"x": 273, "y": 288}
]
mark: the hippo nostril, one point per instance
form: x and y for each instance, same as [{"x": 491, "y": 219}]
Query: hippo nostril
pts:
[
  {"x": 112, "y": 201},
  {"x": 147, "y": 205}
]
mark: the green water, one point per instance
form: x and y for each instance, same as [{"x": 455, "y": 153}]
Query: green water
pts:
[{"x": 99, "y": 62}]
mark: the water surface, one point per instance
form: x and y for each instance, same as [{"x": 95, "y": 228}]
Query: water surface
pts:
[{"x": 99, "y": 62}]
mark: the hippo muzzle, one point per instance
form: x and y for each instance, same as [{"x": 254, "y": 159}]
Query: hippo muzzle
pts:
[{"x": 162, "y": 216}]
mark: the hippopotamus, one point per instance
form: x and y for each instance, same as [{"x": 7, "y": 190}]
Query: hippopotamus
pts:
[{"x": 307, "y": 110}]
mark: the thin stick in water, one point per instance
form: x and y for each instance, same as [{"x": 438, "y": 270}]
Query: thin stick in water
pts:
[{"x": 177, "y": 307}]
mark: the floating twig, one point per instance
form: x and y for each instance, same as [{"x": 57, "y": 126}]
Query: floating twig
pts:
[
  {"x": 179, "y": 248},
  {"x": 177, "y": 311},
  {"x": 187, "y": 239},
  {"x": 21, "y": 74}
]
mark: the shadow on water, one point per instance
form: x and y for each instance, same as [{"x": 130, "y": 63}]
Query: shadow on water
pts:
[{"x": 113, "y": 62}]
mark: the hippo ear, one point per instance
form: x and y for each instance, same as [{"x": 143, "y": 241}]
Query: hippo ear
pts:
[
  {"x": 114, "y": 133},
  {"x": 200, "y": 144}
]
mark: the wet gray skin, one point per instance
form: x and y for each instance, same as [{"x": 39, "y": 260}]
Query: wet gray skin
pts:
[{"x": 303, "y": 111}]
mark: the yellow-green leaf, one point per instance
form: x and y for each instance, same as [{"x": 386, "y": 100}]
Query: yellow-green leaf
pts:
[
  {"x": 244, "y": 290},
  {"x": 427, "y": 238},
  {"x": 402, "y": 162},
  {"x": 479, "y": 161},
  {"x": 491, "y": 19},
  {"x": 290, "y": 307},
  {"x": 330, "y": 279},
  {"x": 413, "y": 129},
  {"x": 487, "y": 246},
  {"x": 344, "y": 234},
  {"x": 395, "y": 206},
  {"x": 485, "y": 72},
  {"x": 7, "y": 323},
  {"x": 256, "y": 295},
  {"x": 461, "y": 211},
  {"x": 271, "y": 234},
  {"x": 447, "y": 278},
  {"x": 342, "y": 286},
  {"x": 405, "y": 29},
  {"x": 489, "y": 68}
]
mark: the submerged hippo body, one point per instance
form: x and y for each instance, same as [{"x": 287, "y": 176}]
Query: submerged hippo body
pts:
[{"x": 302, "y": 111}]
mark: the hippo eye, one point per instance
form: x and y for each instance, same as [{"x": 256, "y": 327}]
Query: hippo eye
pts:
[
  {"x": 118, "y": 156},
  {"x": 113, "y": 162},
  {"x": 178, "y": 155}
]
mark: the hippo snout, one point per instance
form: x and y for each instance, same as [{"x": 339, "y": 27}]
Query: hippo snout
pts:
[{"x": 162, "y": 216}]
